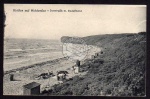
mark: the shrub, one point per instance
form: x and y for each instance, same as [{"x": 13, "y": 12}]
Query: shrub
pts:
[{"x": 119, "y": 71}]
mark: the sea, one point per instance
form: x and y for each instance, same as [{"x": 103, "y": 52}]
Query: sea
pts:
[{"x": 20, "y": 52}]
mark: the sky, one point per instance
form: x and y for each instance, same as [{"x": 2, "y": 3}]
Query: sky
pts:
[{"x": 93, "y": 20}]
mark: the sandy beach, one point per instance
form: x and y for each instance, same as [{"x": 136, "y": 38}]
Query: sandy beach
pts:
[{"x": 27, "y": 75}]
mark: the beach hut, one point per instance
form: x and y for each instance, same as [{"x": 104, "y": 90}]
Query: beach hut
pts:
[
  {"x": 76, "y": 69},
  {"x": 78, "y": 63},
  {"x": 11, "y": 77},
  {"x": 61, "y": 75},
  {"x": 93, "y": 57},
  {"x": 96, "y": 54},
  {"x": 32, "y": 88}
]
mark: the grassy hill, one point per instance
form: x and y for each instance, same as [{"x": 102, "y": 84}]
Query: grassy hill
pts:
[{"x": 119, "y": 71}]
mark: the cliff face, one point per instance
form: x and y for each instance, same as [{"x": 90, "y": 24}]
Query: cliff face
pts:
[{"x": 118, "y": 71}]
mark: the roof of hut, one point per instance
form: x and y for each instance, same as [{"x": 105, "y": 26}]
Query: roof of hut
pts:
[{"x": 31, "y": 85}]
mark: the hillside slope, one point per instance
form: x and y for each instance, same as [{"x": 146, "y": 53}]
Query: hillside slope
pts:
[{"x": 118, "y": 71}]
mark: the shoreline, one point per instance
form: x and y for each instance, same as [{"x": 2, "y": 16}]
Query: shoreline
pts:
[
  {"x": 27, "y": 74},
  {"x": 34, "y": 65},
  {"x": 37, "y": 64}
]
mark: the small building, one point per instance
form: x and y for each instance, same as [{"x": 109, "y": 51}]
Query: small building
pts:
[
  {"x": 11, "y": 77},
  {"x": 61, "y": 77},
  {"x": 32, "y": 88},
  {"x": 76, "y": 69},
  {"x": 96, "y": 54},
  {"x": 78, "y": 63},
  {"x": 93, "y": 56}
]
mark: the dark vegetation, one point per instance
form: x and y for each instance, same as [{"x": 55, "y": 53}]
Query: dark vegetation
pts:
[
  {"x": 66, "y": 39},
  {"x": 118, "y": 71}
]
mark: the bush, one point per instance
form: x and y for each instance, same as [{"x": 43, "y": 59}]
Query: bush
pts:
[{"x": 119, "y": 71}]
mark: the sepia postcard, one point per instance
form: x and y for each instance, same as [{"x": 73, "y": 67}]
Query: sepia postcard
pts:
[{"x": 74, "y": 50}]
